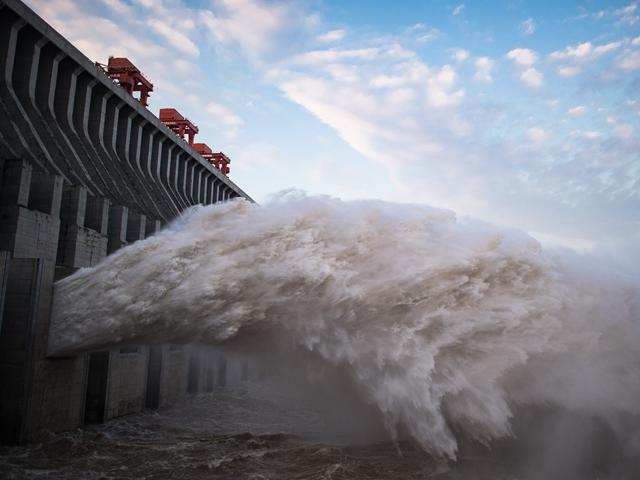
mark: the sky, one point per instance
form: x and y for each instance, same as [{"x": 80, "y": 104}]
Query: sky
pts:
[{"x": 520, "y": 113}]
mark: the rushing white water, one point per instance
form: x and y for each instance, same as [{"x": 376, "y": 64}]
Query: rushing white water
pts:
[{"x": 443, "y": 325}]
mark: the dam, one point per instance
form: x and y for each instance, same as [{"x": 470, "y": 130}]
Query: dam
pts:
[
  {"x": 351, "y": 338},
  {"x": 85, "y": 169}
]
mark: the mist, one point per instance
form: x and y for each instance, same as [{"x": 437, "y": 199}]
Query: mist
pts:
[{"x": 447, "y": 331}]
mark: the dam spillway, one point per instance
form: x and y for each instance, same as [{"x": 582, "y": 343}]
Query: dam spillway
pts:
[{"x": 85, "y": 169}]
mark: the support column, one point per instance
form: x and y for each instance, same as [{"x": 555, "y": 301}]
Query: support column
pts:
[
  {"x": 29, "y": 207},
  {"x": 5, "y": 261},
  {"x": 118, "y": 218},
  {"x": 152, "y": 227},
  {"x": 74, "y": 205},
  {"x": 80, "y": 246},
  {"x": 46, "y": 193},
  {"x": 136, "y": 227},
  {"x": 21, "y": 308},
  {"x": 97, "y": 214},
  {"x": 16, "y": 183}
]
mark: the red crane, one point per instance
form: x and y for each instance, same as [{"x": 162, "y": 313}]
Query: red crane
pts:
[
  {"x": 180, "y": 125},
  {"x": 217, "y": 159},
  {"x": 127, "y": 75}
]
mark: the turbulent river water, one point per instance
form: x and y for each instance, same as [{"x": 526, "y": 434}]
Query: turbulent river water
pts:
[
  {"x": 451, "y": 332},
  {"x": 254, "y": 433},
  {"x": 233, "y": 434}
]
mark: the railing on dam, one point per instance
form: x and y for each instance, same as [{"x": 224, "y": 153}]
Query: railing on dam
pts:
[{"x": 62, "y": 114}]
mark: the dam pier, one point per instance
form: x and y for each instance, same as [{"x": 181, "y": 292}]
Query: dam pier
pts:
[{"x": 85, "y": 169}]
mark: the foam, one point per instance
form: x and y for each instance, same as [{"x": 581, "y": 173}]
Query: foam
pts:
[{"x": 442, "y": 324}]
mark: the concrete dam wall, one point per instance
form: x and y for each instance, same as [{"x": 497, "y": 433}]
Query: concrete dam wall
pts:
[{"x": 85, "y": 169}]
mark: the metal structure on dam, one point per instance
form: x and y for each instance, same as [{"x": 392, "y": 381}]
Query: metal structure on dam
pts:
[{"x": 85, "y": 169}]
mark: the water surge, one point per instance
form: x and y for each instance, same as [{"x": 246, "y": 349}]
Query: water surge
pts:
[{"x": 443, "y": 325}]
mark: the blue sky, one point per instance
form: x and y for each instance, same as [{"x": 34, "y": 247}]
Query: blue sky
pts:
[{"x": 522, "y": 113}]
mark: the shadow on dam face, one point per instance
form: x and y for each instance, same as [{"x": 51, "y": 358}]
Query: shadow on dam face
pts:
[
  {"x": 96, "y": 396},
  {"x": 154, "y": 372},
  {"x": 193, "y": 375}
]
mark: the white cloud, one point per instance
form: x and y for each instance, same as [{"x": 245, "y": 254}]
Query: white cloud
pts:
[
  {"x": 629, "y": 61},
  {"x": 423, "y": 33},
  {"x": 439, "y": 89},
  {"x": 636, "y": 42},
  {"x": 623, "y": 131},
  {"x": 574, "y": 59},
  {"x": 346, "y": 73},
  {"x": 532, "y": 78},
  {"x": 483, "y": 70},
  {"x": 528, "y": 27},
  {"x": 351, "y": 112},
  {"x": 118, "y": 6},
  {"x": 628, "y": 15},
  {"x": 332, "y": 55},
  {"x": 592, "y": 135},
  {"x": 523, "y": 57},
  {"x": 222, "y": 114},
  {"x": 174, "y": 37},
  {"x": 332, "y": 36},
  {"x": 584, "y": 51},
  {"x": 577, "y": 111},
  {"x": 320, "y": 57},
  {"x": 579, "y": 51},
  {"x": 389, "y": 101},
  {"x": 568, "y": 71},
  {"x": 623, "y": 17},
  {"x": 589, "y": 135},
  {"x": 609, "y": 47},
  {"x": 537, "y": 135},
  {"x": 254, "y": 25},
  {"x": 458, "y": 10},
  {"x": 150, "y": 4},
  {"x": 132, "y": 36},
  {"x": 460, "y": 54}
]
